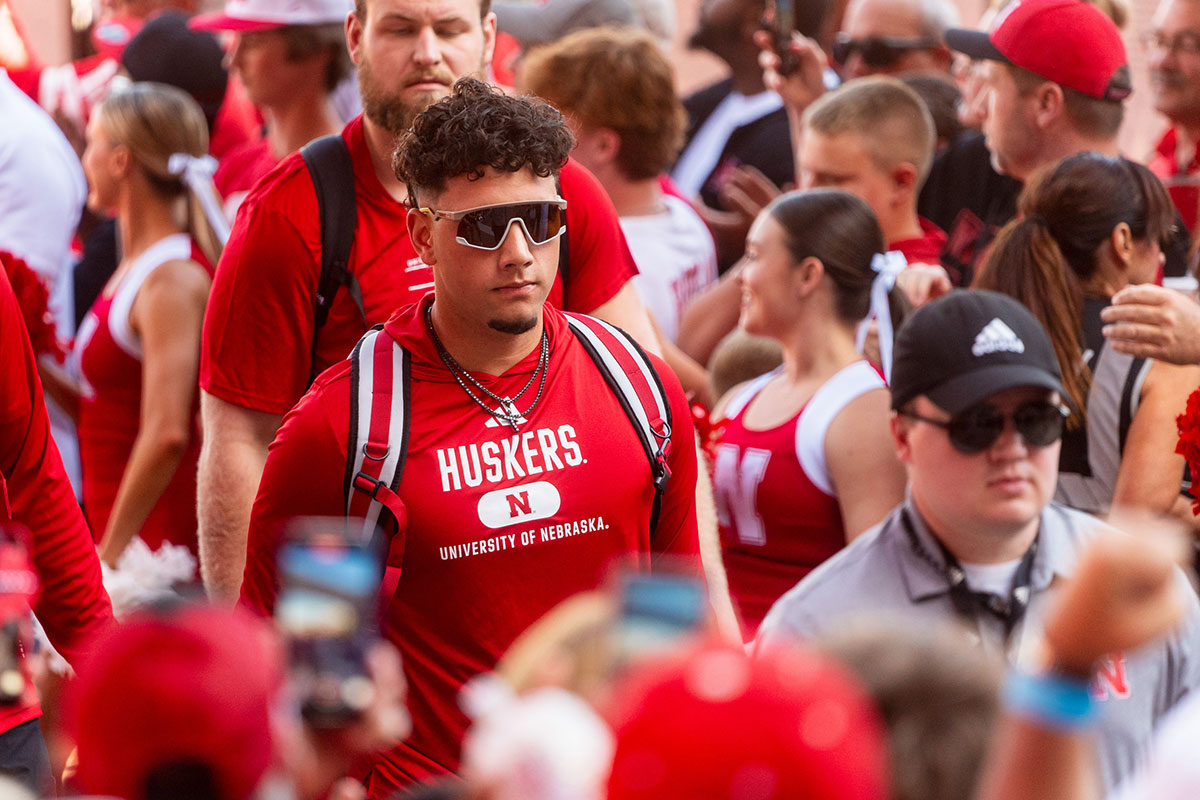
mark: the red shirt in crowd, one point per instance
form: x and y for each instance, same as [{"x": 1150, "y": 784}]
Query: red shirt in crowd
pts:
[
  {"x": 470, "y": 580},
  {"x": 35, "y": 493},
  {"x": 259, "y": 324},
  {"x": 923, "y": 249},
  {"x": 1182, "y": 182}
]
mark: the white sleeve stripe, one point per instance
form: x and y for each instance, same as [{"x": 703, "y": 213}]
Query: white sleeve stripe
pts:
[{"x": 826, "y": 403}]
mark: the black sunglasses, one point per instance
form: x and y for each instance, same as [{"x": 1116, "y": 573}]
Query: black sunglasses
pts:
[
  {"x": 486, "y": 227},
  {"x": 976, "y": 429},
  {"x": 877, "y": 51}
]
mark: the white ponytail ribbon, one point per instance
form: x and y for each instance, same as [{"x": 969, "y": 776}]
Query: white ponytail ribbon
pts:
[
  {"x": 197, "y": 172},
  {"x": 887, "y": 266}
]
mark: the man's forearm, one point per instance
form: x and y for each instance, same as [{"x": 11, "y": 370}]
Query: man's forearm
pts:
[{"x": 231, "y": 466}]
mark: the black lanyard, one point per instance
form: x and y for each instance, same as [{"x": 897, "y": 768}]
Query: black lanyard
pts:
[{"x": 969, "y": 603}]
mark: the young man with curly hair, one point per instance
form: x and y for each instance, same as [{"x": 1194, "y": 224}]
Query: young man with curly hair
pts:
[
  {"x": 523, "y": 478},
  {"x": 262, "y": 343}
]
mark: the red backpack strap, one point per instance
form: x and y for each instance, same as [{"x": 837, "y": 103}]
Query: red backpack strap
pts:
[
  {"x": 629, "y": 373},
  {"x": 378, "y": 440}
]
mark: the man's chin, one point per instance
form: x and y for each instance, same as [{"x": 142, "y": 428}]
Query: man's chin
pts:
[{"x": 514, "y": 327}]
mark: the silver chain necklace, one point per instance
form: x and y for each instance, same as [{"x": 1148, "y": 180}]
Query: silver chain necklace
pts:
[{"x": 509, "y": 414}]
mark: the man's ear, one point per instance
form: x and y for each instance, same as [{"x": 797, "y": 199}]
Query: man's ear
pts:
[
  {"x": 1049, "y": 101},
  {"x": 901, "y": 427},
  {"x": 906, "y": 181},
  {"x": 489, "y": 38},
  {"x": 420, "y": 233},
  {"x": 354, "y": 31}
]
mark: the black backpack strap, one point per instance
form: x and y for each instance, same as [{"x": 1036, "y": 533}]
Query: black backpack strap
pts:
[{"x": 332, "y": 172}]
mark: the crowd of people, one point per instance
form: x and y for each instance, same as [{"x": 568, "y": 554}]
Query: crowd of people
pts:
[{"x": 421, "y": 398}]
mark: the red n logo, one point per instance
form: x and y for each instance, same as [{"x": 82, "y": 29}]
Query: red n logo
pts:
[
  {"x": 518, "y": 504},
  {"x": 1110, "y": 680}
]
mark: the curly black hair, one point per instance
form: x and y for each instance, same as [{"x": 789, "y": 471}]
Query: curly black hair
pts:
[{"x": 478, "y": 126}]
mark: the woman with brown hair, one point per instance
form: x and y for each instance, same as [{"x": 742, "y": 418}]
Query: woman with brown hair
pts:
[
  {"x": 805, "y": 460},
  {"x": 139, "y": 345},
  {"x": 1088, "y": 227}
]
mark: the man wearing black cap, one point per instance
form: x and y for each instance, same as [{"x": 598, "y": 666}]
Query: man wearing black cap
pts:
[{"x": 977, "y": 420}]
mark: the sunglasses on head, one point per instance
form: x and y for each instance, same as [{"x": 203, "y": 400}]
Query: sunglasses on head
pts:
[
  {"x": 486, "y": 227},
  {"x": 877, "y": 51},
  {"x": 972, "y": 431}
]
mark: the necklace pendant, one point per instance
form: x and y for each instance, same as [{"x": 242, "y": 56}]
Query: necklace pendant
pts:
[{"x": 514, "y": 421}]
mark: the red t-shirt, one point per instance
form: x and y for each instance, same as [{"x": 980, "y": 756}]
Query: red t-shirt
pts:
[
  {"x": 778, "y": 514},
  {"x": 34, "y": 492},
  {"x": 924, "y": 249},
  {"x": 1183, "y": 184},
  {"x": 469, "y": 581},
  {"x": 244, "y": 166},
  {"x": 259, "y": 325}
]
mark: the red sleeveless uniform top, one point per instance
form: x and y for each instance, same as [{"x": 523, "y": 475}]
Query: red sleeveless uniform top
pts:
[
  {"x": 779, "y": 517},
  {"x": 110, "y": 363}
]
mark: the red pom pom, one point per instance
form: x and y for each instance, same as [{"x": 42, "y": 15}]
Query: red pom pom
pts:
[
  {"x": 33, "y": 299},
  {"x": 1188, "y": 445}
]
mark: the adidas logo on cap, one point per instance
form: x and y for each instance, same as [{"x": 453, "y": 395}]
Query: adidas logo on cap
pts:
[{"x": 997, "y": 337}]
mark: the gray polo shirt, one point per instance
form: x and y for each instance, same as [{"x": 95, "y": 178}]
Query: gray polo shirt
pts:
[{"x": 880, "y": 573}]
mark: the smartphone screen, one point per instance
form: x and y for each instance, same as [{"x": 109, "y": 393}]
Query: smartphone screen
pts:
[
  {"x": 326, "y": 610},
  {"x": 657, "y": 610}
]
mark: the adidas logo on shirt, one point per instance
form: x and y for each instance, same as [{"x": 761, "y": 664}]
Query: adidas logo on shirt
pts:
[
  {"x": 997, "y": 337},
  {"x": 494, "y": 422}
]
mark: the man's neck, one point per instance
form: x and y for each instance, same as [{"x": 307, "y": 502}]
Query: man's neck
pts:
[
  {"x": 381, "y": 144},
  {"x": 478, "y": 348},
  {"x": 634, "y": 198},
  {"x": 1070, "y": 143},
  {"x": 747, "y": 74},
  {"x": 975, "y": 544},
  {"x": 291, "y": 126},
  {"x": 1187, "y": 135},
  {"x": 901, "y": 226}
]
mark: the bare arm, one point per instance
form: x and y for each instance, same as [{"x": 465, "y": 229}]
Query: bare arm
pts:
[
  {"x": 166, "y": 315},
  {"x": 710, "y": 317},
  {"x": 231, "y": 465},
  {"x": 625, "y": 310},
  {"x": 710, "y": 553},
  {"x": 1124, "y": 594},
  {"x": 867, "y": 476},
  {"x": 1150, "y": 470}
]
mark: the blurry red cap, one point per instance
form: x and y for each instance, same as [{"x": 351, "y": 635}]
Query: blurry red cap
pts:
[
  {"x": 714, "y": 724},
  {"x": 1069, "y": 42},
  {"x": 195, "y": 685}
]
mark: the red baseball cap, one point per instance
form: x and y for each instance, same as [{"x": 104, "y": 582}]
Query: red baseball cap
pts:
[
  {"x": 1069, "y": 42},
  {"x": 195, "y": 685},
  {"x": 712, "y": 724},
  {"x": 245, "y": 16}
]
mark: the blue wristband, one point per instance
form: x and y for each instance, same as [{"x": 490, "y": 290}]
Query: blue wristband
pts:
[{"x": 1055, "y": 700}]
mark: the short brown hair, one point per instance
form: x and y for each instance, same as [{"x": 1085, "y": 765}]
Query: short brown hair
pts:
[
  {"x": 891, "y": 118},
  {"x": 614, "y": 78},
  {"x": 302, "y": 42},
  {"x": 1094, "y": 117},
  {"x": 360, "y": 8}
]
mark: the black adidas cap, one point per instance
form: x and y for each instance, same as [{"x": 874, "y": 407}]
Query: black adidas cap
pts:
[{"x": 964, "y": 347}]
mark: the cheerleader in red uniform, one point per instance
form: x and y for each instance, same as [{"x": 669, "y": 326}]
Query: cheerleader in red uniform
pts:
[
  {"x": 139, "y": 346},
  {"x": 805, "y": 461}
]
